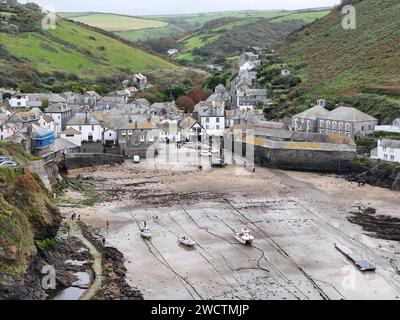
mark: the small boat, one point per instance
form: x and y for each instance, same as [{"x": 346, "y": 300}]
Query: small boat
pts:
[
  {"x": 244, "y": 237},
  {"x": 363, "y": 265},
  {"x": 186, "y": 241},
  {"x": 146, "y": 233}
]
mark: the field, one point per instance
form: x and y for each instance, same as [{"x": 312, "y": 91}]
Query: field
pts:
[
  {"x": 114, "y": 22},
  {"x": 152, "y": 33},
  {"x": 151, "y": 27},
  {"x": 74, "y": 49}
]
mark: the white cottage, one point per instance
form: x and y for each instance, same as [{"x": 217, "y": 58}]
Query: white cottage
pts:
[
  {"x": 87, "y": 125},
  {"x": 388, "y": 150}
]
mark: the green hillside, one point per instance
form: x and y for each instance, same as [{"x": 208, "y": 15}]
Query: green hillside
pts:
[
  {"x": 228, "y": 37},
  {"x": 344, "y": 62},
  {"x": 142, "y": 28},
  {"x": 72, "y": 53},
  {"x": 27, "y": 214}
]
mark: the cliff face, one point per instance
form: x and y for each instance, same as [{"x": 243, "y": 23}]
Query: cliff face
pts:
[{"x": 27, "y": 217}]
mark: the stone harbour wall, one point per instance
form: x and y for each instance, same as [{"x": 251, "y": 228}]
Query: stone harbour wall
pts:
[{"x": 83, "y": 160}]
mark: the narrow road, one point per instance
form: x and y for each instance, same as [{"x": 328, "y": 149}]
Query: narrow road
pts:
[{"x": 75, "y": 231}]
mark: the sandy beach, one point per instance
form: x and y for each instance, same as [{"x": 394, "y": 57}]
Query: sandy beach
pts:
[{"x": 296, "y": 219}]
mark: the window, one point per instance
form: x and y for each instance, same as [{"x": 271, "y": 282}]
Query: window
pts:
[
  {"x": 80, "y": 128},
  {"x": 130, "y": 132},
  {"x": 123, "y": 132},
  {"x": 308, "y": 125},
  {"x": 362, "y": 128},
  {"x": 90, "y": 137},
  {"x": 207, "y": 120},
  {"x": 218, "y": 120},
  {"x": 321, "y": 131},
  {"x": 392, "y": 157},
  {"x": 384, "y": 148},
  {"x": 92, "y": 128},
  {"x": 217, "y": 127},
  {"x": 385, "y": 156}
]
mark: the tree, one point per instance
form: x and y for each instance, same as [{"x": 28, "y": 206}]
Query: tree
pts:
[
  {"x": 186, "y": 103},
  {"x": 197, "y": 94},
  {"x": 45, "y": 105}
]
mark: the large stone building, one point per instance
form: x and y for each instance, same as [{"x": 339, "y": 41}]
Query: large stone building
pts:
[{"x": 343, "y": 121}]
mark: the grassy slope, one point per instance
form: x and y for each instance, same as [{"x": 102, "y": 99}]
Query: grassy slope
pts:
[
  {"x": 26, "y": 213},
  {"x": 343, "y": 62},
  {"x": 204, "y": 37},
  {"x": 115, "y": 23},
  {"x": 72, "y": 48},
  {"x": 149, "y": 28},
  {"x": 151, "y": 33}
]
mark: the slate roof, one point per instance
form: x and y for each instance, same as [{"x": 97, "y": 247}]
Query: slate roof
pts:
[
  {"x": 81, "y": 119},
  {"x": 71, "y": 131},
  {"x": 313, "y": 113},
  {"x": 390, "y": 143},
  {"x": 348, "y": 114},
  {"x": 187, "y": 123}
]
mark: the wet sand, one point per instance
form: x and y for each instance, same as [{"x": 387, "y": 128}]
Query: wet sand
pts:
[{"x": 295, "y": 217}]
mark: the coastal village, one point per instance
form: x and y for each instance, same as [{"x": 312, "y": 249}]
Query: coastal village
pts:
[
  {"x": 121, "y": 124},
  {"x": 222, "y": 202}
]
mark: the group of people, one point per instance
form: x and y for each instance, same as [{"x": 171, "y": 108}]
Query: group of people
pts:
[{"x": 74, "y": 217}]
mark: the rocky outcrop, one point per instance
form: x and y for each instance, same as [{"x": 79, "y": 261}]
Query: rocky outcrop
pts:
[
  {"x": 381, "y": 174},
  {"x": 28, "y": 286},
  {"x": 114, "y": 286}
]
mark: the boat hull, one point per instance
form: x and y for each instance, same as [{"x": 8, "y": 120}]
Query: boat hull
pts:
[{"x": 243, "y": 241}]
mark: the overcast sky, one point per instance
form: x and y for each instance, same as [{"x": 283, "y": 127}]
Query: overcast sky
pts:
[{"x": 143, "y": 7}]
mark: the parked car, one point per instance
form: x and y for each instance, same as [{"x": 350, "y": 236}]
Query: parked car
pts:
[
  {"x": 136, "y": 159},
  {"x": 5, "y": 158},
  {"x": 205, "y": 153},
  {"x": 218, "y": 163},
  {"x": 7, "y": 163}
]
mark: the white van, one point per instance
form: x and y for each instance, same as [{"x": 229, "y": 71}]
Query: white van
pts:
[{"x": 136, "y": 159}]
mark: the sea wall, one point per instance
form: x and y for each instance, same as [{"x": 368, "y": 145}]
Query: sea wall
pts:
[
  {"x": 82, "y": 160},
  {"x": 304, "y": 160}
]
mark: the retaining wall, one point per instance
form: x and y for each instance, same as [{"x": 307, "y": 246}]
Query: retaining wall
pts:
[{"x": 82, "y": 160}]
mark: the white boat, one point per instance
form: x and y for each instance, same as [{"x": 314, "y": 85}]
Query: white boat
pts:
[
  {"x": 244, "y": 237},
  {"x": 187, "y": 241},
  {"x": 146, "y": 233}
]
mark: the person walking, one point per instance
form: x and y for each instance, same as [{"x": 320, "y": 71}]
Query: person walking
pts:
[
  {"x": 103, "y": 241},
  {"x": 108, "y": 225}
]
